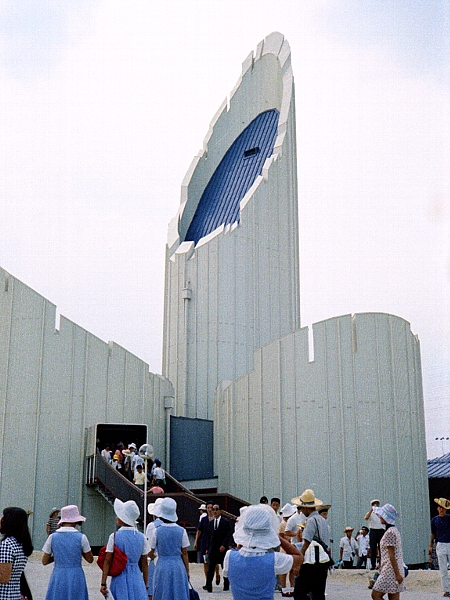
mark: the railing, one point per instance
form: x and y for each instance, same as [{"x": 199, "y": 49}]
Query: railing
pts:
[{"x": 100, "y": 473}]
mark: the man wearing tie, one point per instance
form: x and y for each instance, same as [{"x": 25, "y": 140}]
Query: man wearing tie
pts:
[{"x": 219, "y": 533}]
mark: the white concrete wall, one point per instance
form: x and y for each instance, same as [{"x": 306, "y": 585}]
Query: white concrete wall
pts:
[
  {"x": 349, "y": 424},
  {"x": 54, "y": 385},
  {"x": 243, "y": 280}
]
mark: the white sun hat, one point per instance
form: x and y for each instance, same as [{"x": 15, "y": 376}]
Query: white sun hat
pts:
[
  {"x": 151, "y": 506},
  {"x": 288, "y": 510},
  {"x": 258, "y": 530},
  {"x": 166, "y": 509},
  {"x": 128, "y": 512}
]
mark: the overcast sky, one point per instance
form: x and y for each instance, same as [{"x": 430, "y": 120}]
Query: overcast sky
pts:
[{"x": 104, "y": 103}]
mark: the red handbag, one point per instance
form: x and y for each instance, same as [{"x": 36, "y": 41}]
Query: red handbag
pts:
[{"x": 119, "y": 560}]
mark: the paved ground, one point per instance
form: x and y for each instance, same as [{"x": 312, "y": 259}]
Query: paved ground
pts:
[{"x": 341, "y": 585}]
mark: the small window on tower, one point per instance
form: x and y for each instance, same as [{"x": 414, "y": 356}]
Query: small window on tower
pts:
[{"x": 251, "y": 152}]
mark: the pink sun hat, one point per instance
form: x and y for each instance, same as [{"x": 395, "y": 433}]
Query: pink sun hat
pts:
[{"x": 71, "y": 514}]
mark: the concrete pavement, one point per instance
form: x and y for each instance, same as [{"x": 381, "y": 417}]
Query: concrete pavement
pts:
[{"x": 341, "y": 585}]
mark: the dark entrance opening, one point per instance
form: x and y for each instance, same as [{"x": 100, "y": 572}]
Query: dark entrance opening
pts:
[{"x": 113, "y": 433}]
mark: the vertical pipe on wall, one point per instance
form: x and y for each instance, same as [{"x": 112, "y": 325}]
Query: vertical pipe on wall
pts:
[{"x": 186, "y": 294}]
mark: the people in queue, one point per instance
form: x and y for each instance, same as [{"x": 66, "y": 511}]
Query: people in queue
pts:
[
  {"x": 53, "y": 521},
  {"x": 158, "y": 474},
  {"x": 376, "y": 531},
  {"x": 287, "y": 511},
  {"x": 348, "y": 548},
  {"x": 219, "y": 540},
  {"x": 362, "y": 540},
  {"x": 66, "y": 547},
  {"x": 139, "y": 478},
  {"x": 312, "y": 578},
  {"x": 201, "y": 542},
  {"x": 15, "y": 548},
  {"x": 154, "y": 524},
  {"x": 131, "y": 583}
]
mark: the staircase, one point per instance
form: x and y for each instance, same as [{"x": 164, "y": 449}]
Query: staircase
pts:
[{"x": 111, "y": 484}]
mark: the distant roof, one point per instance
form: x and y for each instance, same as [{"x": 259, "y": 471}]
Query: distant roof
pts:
[
  {"x": 241, "y": 165},
  {"x": 439, "y": 467}
]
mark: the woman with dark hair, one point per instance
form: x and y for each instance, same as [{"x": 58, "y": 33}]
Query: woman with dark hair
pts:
[{"x": 15, "y": 547}]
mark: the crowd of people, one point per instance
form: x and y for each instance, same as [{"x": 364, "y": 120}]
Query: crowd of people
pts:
[
  {"x": 292, "y": 544},
  {"x": 129, "y": 463}
]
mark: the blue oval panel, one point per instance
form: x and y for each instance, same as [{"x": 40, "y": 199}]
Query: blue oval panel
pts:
[{"x": 241, "y": 165}]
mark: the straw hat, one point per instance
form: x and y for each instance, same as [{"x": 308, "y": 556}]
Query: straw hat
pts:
[
  {"x": 308, "y": 500},
  {"x": 288, "y": 510},
  {"x": 348, "y": 529},
  {"x": 166, "y": 509},
  {"x": 372, "y": 502},
  {"x": 443, "y": 502},
  {"x": 71, "y": 514},
  {"x": 127, "y": 512},
  {"x": 259, "y": 525}
]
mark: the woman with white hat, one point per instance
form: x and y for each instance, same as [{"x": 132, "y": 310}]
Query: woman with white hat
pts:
[
  {"x": 131, "y": 584},
  {"x": 150, "y": 527},
  {"x": 392, "y": 571},
  {"x": 65, "y": 547},
  {"x": 170, "y": 542},
  {"x": 252, "y": 569}
]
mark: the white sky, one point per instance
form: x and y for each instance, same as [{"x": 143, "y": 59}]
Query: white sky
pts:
[{"x": 104, "y": 103}]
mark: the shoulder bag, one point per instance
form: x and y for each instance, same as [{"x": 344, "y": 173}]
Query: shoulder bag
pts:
[{"x": 119, "y": 560}]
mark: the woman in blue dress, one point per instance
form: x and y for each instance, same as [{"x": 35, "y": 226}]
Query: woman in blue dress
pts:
[
  {"x": 169, "y": 542},
  {"x": 66, "y": 546},
  {"x": 131, "y": 584},
  {"x": 252, "y": 569},
  {"x": 152, "y": 525}
]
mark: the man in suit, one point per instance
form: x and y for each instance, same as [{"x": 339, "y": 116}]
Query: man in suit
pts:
[{"x": 219, "y": 534}]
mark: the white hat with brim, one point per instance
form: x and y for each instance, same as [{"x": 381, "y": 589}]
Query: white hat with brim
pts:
[
  {"x": 288, "y": 510},
  {"x": 151, "y": 506},
  {"x": 127, "y": 512},
  {"x": 166, "y": 509},
  {"x": 71, "y": 514},
  {"x": 202, "y": 507},
  {"x": 259, "y": 526}
]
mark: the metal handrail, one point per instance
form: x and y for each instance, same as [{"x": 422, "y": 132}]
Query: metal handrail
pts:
[{"x": 100, "y": 473}]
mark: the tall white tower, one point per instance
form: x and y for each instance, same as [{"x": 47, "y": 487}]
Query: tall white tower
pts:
[{"x": 232, "y": 268}]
